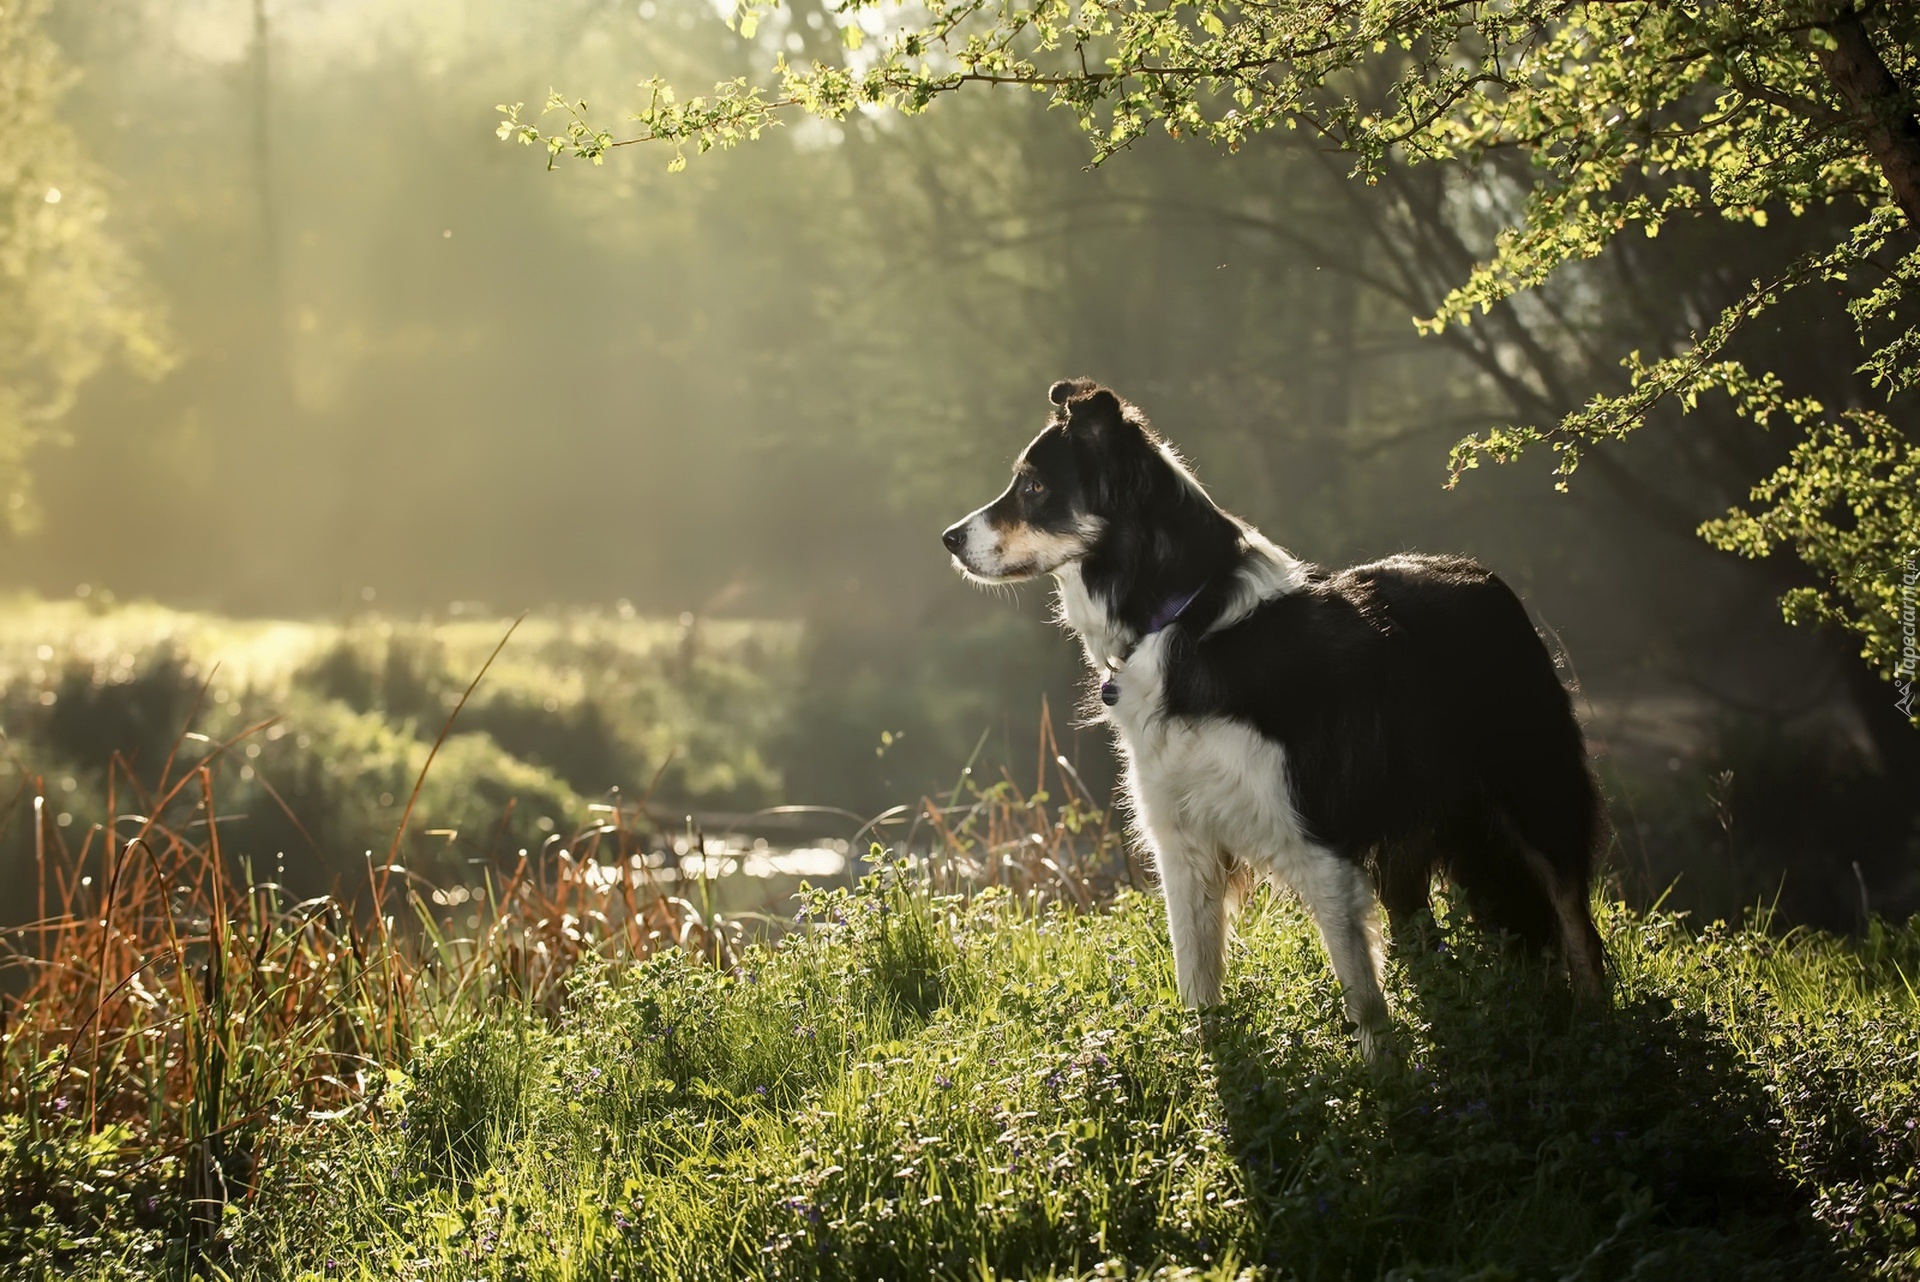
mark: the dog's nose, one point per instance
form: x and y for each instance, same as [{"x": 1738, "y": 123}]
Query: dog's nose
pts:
[{"x": 956, "y": 537}]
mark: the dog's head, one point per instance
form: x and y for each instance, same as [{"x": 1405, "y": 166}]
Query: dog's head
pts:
[{"x": 1068, "y": 485}]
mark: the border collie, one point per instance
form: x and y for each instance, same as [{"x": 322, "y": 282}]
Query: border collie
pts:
[{"x": 1281, "y": 721}]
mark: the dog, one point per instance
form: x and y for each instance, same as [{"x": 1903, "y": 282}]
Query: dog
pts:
[{"x": 1346, "y": 734}]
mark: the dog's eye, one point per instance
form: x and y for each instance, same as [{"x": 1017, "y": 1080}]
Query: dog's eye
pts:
[{"x": 1033, "y": 489}]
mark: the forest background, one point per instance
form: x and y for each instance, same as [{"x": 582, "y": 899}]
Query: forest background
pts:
[{"x": 301, "y": 340}]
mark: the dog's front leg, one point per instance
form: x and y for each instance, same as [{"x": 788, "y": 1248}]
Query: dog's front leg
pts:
[{"x": 1194, "y": 881}]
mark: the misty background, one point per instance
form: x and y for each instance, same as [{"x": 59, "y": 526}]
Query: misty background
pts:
[{"x": 417, "y": 378}]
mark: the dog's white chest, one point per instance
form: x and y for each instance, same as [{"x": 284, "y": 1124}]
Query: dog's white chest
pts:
[
  {"x": 1219, "y": 783},
  {"x": 1199, "y": 786}
]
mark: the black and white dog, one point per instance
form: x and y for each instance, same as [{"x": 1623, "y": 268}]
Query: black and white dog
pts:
[{"x": 1281, "y": 721}]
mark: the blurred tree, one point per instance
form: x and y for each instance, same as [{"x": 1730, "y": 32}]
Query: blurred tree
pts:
[
  {"x": 70, "y": 295},
  {"x": 1623, "y": 115}
]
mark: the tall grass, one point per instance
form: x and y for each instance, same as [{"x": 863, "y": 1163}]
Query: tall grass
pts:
[{"x": 191, "y": 1016}]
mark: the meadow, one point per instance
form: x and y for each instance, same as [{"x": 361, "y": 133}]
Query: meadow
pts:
[{"x": 566, "y": 1057}]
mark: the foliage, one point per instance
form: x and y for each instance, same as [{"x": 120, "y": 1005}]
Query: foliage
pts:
[
  {"x": 600, "y": 701},
  {"x": 1627, "y": 115},
  {"x": 1850, "y": 494},
  {"x": 71, "y": 296}
]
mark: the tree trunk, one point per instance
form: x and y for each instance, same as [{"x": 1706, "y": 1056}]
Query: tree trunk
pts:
[{"x": 1881, "y": 106}]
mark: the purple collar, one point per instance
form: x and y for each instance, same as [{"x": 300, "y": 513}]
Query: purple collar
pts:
[{"x": 1169, "y": 610}]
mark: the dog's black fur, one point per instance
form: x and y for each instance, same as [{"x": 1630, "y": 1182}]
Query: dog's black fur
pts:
[{"x": 1425, "y": 728}]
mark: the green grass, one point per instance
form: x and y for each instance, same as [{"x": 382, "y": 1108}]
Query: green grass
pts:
[{"x": 915, "y": 1086}]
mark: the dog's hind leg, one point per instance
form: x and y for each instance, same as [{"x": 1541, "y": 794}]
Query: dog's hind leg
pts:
[
  {"x": 1563, "y": 883},
  {"x": 1546, "y": 806},
  {"x": 1488, "y": 861},
  {"x": 1337, "y": 893},
  {"x": 1403, "y": 873},
  {"x": 1580, "y": 945}
]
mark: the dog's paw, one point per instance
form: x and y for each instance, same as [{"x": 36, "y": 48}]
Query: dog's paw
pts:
[{"x": 1377, "y": 1044}]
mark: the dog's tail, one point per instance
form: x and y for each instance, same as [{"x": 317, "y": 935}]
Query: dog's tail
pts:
[{"x": 1545, "y": 801}]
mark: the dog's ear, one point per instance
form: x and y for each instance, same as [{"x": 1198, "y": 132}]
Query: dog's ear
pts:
[
  {"x": 1096, "y": 413},
  {"x": 1067, "y": 388},
  {"x": 1098, "y": 409}
]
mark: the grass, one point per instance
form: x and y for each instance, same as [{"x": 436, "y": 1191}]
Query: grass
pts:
[
  {"x": 913, "y": 1084},
  {"x": 919, "y": 1086},
  {"x": 175, "y": 1034}
]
